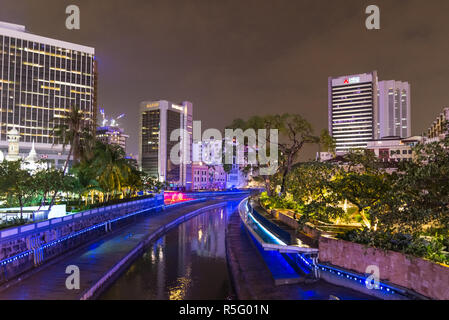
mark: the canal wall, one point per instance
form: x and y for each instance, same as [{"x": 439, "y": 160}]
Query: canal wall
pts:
[
  {"x": 27, "y": 247},
  {"x": 424, "y": 277},
  {"x": 334, "y": 268}
]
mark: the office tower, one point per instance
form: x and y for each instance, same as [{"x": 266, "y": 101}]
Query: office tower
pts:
[
  {"x": 112, "y": 135},
  {"x": 40, "y": 80},
  {"x": 110, "y": 131},
  {"x": 158, "y": 121},
  {"x": 352, "y": 109},
  {"x": 394, "y": 109}
]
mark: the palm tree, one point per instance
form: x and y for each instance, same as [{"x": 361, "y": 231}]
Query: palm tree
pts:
[
  {"x": 111, "y": 167},
  {"x": 134, "y": 181},
  {"x": 86, "y": 180},
  {"x": 72, "y": 133}
]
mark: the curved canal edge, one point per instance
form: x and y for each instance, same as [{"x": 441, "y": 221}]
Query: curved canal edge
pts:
[
  {"x": 120, "y": 267},
  {"x": 232, "y": 242},
  {"x": 252, "y": 279}
]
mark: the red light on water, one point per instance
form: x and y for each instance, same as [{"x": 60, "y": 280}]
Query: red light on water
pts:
[{"x": 174, "y": 197}]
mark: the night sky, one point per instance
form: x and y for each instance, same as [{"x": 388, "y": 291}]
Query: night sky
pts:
[{"x": 242, "y": 57}]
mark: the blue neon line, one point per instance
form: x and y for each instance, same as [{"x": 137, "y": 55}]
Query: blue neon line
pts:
[
  {"x": 347, "y": 275},
  {"x": 279, "y": 241},
  {"x": 54, "y": 242}
]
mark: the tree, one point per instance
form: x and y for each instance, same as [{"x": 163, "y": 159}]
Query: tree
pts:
[
  {"x": 85, "y": 180},
  {"x": 311, "y": 185},
  {"x": 16, "y": 182},
  {"x": 111, "y": 168},
  {"x": 363, "y": 183},
  {"x": 134, "y": 181},
  {"x": 294, "y": 132},
  {"x": 48, "y": 182},
  {"x": 152, "y": 184},
  {"x": 72, "y": 132},
  {"x": 327, "y": 142},
  {"x": 420, "y": 189}
]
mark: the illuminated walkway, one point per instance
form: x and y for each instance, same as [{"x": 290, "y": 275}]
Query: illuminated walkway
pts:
[
  {"x": 253, "y": 279},
  {"x": 94, "y": 261}
]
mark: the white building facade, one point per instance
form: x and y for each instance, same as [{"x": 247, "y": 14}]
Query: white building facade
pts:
[
  {"x": 394, "y": 109},
  {"x": 362, "y": 108},
  {"x": 353, "y": 109},
  {"x": 40, "y": 79}
]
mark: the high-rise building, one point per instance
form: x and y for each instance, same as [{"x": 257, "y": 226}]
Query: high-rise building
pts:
[
  {"x": 394, "y": 109},
  {"x": 352, "y": 109},
  {"x": 362, "y": 109},
  {"x": 110, "y": 131},
  {"x": 158, "y": 121},
  {"x": 40, "y": 80},
  {"x": 112, "y": 135}
]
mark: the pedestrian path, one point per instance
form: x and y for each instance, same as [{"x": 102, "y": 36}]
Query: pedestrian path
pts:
[{"x": 95, "y": 260}]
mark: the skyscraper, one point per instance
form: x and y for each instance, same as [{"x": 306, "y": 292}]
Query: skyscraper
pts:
[
  {"x": 110, "y": 131},
  {"x": 362, "y": 109},
  {"x": 40, "y": 80},
  {"x": 352, "y": 109},
  {"x": 112, "y": 135},
  {"x": 394, "y": 109},
  {"x": 158, "y": 121}
]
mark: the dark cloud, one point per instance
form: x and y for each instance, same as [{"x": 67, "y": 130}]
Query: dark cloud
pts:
[{"x": 238, "y": 58}]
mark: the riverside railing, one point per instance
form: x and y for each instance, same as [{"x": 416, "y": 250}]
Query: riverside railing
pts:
[
  {"x": 91, "y": 224},
  {"x": 21, "y": 231},
  {"x": 36, "y": 243}
]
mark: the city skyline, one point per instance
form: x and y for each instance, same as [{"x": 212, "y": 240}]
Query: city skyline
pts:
[
  {"x": 235, "y": 152},
  {"x": 230, "y": 65}
]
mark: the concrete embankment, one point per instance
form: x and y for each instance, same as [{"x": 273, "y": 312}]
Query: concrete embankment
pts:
[
  {"x": 252, "y": 279},
  {"x": 416, "y": 276},
  {"x": 25, "y": 248},
  {"x": 102, "y": 260}
]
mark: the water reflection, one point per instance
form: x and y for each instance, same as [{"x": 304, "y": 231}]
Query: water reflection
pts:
[{"x": 188, "y": 262}]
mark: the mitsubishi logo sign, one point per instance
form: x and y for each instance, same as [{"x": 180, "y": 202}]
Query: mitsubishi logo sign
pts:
[{"x": 352, "y": 80}]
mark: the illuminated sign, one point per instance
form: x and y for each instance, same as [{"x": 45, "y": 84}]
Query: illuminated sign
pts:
[
  {"x": 352, "y": 80},
  {"x": 177, "y": 107},
  {"x": 152, "y": 105}
]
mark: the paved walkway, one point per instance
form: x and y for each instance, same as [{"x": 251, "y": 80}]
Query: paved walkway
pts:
[
  {"x": 252, "y": 278},
  {"x": 95, "y": 260}
]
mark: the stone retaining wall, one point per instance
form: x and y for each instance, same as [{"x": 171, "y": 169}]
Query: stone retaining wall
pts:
[{"x": 422, "y": 276}]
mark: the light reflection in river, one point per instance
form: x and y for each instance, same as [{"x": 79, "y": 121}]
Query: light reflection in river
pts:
[{"x": 188, "y": 262}]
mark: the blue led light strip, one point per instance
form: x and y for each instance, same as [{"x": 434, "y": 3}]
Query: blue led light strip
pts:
[
  {"x": 55, "y": 242},
  {"x": 344, "y": 274},
  {"x": 266, "y": 231}
]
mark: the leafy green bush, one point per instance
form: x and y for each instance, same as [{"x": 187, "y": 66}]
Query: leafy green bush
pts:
[
  {"x": 277, "y": 202},
  {"x": 14, "y": 222},
  {"x": 431, "y": 248}
]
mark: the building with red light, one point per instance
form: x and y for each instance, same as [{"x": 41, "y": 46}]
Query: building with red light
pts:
[{"x": 362, "y": 108}]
